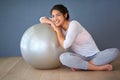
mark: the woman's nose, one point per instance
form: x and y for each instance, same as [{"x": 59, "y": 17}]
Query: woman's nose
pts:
[{"x": 55, "y": 18}]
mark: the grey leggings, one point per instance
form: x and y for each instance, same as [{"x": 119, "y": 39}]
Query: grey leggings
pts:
[{"x": 74, "y": 60}]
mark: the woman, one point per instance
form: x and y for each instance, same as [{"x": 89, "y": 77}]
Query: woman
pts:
[{"x": 83, "y": 52}]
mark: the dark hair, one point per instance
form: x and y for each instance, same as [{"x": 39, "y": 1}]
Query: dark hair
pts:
[{"x": 62, "y": 9}]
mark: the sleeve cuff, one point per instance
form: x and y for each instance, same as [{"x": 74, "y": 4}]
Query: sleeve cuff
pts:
[{"x": 41, "y": 18}]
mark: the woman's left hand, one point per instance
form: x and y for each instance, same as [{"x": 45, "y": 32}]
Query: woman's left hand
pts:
[{"x": 56, "y": 28}]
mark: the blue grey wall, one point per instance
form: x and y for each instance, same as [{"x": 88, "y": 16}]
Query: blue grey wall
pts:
[{"x": 100, "y": 17}]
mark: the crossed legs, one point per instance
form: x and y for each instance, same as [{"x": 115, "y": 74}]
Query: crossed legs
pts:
[{"x": 99, "y": 62}]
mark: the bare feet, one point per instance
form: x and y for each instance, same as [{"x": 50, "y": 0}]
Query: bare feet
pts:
[
  {"x": 106, "y": 67},
  {"x": 74, "y": 69}
]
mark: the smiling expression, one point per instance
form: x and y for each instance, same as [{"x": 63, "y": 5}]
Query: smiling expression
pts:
[{"x": 58, "y": 18}]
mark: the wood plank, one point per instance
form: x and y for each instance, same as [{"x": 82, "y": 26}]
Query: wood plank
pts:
[
  {"x": 24, "y": 71},
  {"x": 50, "y": 75},
  {"x": 6, "y": 64}
]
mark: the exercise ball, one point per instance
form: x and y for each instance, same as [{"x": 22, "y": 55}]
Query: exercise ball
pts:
[{"x": 40, "y": 47}]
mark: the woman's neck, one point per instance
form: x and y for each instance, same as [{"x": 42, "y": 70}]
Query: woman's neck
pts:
[{"x": 66, "y": 25}]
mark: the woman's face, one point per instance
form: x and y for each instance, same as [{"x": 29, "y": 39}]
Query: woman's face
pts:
[{"x": 58, "y": 18}]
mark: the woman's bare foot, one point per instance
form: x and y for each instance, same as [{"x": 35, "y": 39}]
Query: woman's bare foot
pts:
[
  {"x": 74, "y": 69},
  {"x": 106, "y": 67}
]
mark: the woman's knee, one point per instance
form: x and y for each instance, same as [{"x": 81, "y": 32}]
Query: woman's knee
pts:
[
  {"x": 63, "y": 57},
  {"x": 115, "y": 51},
  {"x": 111, "y": 51}
]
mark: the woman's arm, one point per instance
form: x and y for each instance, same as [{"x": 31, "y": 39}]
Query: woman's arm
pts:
[
  {"x": 45, "y": 20},
  {"x": 59, "y": 33},
  {"x": 60, "y": 36},
  {"x": 72, "y": 32},
  {"x": 58, "y": 30}
]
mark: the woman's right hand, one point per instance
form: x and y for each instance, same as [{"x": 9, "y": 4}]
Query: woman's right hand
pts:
[{"x": 45, "y": 20}]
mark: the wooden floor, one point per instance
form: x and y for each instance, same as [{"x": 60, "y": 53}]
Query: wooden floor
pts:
[{"x": 15, "y": 68}]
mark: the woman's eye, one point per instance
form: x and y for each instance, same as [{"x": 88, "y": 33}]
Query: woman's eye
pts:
[
  {"x": 52, "y": 16},
  {"x": 58, "y": 15}
]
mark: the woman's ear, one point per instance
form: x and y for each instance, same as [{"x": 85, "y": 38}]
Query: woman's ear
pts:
[{"x": 66, "y": 15}]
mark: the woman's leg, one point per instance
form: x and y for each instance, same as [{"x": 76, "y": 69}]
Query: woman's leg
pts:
[
  {"x": 106, "y": 67},
  {"x": 74, "y": 61},
  {"x": 105, "y": 56}
]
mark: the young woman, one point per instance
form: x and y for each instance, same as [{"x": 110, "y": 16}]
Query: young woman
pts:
[{"x": 83, "y": 53}]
